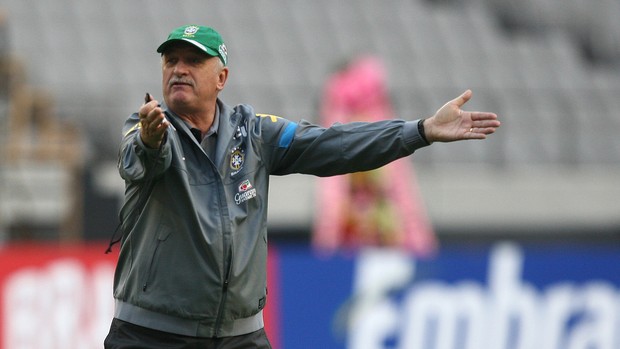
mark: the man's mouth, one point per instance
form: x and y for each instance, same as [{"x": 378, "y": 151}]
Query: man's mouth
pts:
[{"x": 173, "y": 83}]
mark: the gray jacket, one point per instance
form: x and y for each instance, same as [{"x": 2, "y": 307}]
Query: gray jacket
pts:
[{"x": 194, "y": 261}]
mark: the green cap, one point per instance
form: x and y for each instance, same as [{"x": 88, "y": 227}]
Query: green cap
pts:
[{"x": 205, "y": 38}]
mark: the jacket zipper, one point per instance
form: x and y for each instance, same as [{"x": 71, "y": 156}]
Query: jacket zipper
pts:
[
  {"x": 148, "y": 274},
  {"x": 228, "y": 254},
  {"x": 226, "y": 239},
  {"x": 220, "y": 311}
]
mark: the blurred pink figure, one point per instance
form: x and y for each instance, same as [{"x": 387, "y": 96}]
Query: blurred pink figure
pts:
[{"x": 382, "y": 207}]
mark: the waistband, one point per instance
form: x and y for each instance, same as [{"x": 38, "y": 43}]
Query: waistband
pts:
[{"x": 186, "y": 327}]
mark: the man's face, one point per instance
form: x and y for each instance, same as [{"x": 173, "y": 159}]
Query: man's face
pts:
[{"x": 190, "y": 78}]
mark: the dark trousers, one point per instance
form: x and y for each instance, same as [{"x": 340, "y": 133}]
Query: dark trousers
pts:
[{"x": 125, "y": 335}]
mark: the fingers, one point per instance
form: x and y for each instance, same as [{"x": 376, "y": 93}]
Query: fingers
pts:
[
  {"x": 477, "y": 115},
  {"x": 482, "y": 124},
  {"x": 490, "y": 121},
  {"x": 150, "y": 113},
  {"x": 153, "y": 124},
  {"x": 147, "y": 107},
  {"x": 480, "y": 132},
  {"x": 153, "y": 119},
  {"x": 463, "y": 98}
]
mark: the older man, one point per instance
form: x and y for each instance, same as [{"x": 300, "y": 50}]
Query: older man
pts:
[{"x": 192, "y": 266}]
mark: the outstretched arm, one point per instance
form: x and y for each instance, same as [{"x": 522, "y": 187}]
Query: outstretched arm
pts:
[{"x": 451, "y": 123}]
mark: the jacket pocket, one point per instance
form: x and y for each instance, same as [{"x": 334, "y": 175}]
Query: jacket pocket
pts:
[{"x": 162, "y": 236}]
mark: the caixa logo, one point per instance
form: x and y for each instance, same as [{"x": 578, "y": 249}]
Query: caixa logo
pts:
[{"x": 505, "y": 313}]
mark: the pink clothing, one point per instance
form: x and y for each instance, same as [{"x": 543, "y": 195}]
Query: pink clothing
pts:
[{"x": 382, "y": 207}]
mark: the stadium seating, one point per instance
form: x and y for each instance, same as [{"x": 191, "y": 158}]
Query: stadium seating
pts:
[
  {"x": 99, "y": 55},
  {"x": 550, "y": 68}
]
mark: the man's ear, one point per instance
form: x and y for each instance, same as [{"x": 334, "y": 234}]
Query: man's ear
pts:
[{"x": 222, "y": 77}]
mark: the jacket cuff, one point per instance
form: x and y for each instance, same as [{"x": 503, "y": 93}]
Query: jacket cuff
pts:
[
  {"x": 149, "y": 152},
  {"x": 412, "y": 135}
]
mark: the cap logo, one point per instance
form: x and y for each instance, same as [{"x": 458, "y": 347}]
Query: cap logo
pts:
[
  {"x": 223, "y": 52},
  {"x": 190, "y": 30}
]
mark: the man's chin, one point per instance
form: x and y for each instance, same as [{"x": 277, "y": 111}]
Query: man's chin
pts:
[
  {"x": 181, "y": 106},
  {"x": 179, "y": 99}
]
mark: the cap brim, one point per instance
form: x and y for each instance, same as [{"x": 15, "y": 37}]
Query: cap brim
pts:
[{"x": 202, "y": 47}]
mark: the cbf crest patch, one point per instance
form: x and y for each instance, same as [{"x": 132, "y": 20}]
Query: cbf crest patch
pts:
[
  {"x": 190, "y": 31},
  {"x": 237, "y": 158}
]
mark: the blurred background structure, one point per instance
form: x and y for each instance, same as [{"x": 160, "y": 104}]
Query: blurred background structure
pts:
[{"x": 71, "y": 71}]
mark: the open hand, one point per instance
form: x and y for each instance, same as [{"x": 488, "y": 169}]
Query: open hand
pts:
[{"x": 451, "y": 123}]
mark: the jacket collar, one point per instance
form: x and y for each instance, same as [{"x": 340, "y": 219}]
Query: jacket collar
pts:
[{"x": 227, "y": 133}]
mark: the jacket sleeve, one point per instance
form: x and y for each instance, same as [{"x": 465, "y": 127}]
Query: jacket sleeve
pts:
[
  {"x": 135, "y": 159},
  {"x": 344, "y": 148}
]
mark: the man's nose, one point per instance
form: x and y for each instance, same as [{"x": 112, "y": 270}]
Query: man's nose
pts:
[{"x": 180, "y": 68}]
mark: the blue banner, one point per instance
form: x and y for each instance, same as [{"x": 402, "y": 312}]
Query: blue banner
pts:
[{"x": 470, "y": 296}]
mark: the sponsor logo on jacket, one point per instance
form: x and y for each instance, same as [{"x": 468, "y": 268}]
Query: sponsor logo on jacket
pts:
[{"x": 245, "y": 192}]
